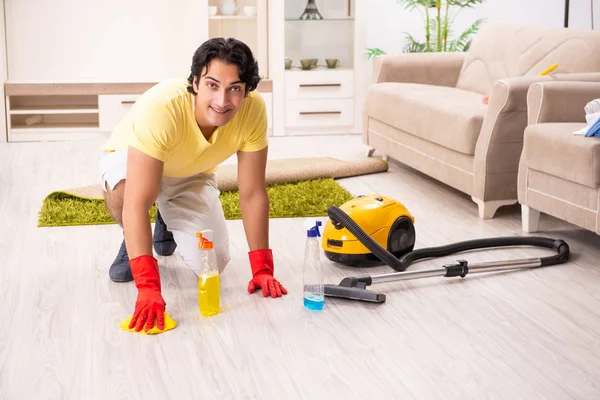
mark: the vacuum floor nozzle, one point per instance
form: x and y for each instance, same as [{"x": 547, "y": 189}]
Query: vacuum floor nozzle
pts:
[{"x": 354, "y": 289}]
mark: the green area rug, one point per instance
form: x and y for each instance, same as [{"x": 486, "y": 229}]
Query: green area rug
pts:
[{"x": 309, "y": 198}]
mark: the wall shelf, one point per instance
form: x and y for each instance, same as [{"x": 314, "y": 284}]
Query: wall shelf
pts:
[
  {"x": 55, "y": 127},
  {"x": 72, "y": 109}
]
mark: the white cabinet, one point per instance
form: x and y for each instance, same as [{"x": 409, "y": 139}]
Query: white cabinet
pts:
[
  {"x": 320, "y": 113},
  {"x": 317, "y": 99},
  {"x": 325, "y": 96},
  {"x": 319, "y": 84},
  {"x": 268, "y": 98},
  {"x": 113, "y": 107},
  {"x": 51, "y": 117}
]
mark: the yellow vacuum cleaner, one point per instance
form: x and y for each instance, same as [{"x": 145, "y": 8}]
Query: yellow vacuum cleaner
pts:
[
  {"x": 384, "y": 219},
  {"x": 376, "y": 228}
]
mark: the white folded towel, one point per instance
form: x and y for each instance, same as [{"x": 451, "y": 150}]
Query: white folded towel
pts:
[
  {"x": 592, "y": 113},
  {"x": 592, "y": 107}
]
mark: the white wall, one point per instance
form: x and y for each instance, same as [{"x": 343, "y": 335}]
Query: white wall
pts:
[
  {"x": 107, "y": 40},
  {"x": 544, "y": 12}
]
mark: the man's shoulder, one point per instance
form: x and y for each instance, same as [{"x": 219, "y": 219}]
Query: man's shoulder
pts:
[
  {"x": 255, "y": 96},
  {"x": 254, "y": 103},
  {"x": 252, "y": 117},
  {"x": 166, "y": 91}
]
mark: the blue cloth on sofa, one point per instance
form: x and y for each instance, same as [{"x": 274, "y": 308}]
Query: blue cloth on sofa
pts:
[{"x": 594, "y": 129}]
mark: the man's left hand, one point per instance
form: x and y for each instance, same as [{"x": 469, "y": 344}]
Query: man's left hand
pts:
[{"x": 261, "y": 262}]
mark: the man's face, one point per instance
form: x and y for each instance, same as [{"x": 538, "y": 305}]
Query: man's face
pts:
[{"x": 220, "y": 94}]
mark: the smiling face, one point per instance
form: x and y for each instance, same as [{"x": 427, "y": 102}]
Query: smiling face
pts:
[{"x": 220, "y": 94}]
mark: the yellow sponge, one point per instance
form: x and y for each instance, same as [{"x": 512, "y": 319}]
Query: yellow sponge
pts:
[{"x": 169, "y": 324}]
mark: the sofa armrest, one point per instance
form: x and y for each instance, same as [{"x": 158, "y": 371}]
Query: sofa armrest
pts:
[
  {"x": 560, "y": 101},
  {"x": 440, "y": 69},
  {"x": 500, "y": 141}
]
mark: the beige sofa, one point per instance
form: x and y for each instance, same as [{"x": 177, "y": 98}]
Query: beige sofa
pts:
[
  {"x": 559, "y": 172},
  {"x": 426, "y": 110}
]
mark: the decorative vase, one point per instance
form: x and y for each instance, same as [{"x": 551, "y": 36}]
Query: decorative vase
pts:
[
  {"x": 311, "y": 11},
  {"x": 228, "y": 7}
]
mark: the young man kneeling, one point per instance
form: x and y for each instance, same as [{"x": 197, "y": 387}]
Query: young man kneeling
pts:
[{"x": 165, "y": 152}]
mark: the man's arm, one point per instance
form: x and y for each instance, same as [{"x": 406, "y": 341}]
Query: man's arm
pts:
[
  {"x": 142, "y": 185},
  {"x": 254, "y": 203},
  {"x": 254, "y": 200}
]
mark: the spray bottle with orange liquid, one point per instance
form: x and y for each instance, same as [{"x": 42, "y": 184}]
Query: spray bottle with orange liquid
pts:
[{"x": 209, "y": 286}]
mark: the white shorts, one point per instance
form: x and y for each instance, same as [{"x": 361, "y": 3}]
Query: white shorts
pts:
[{"x": 187, "y": 205}]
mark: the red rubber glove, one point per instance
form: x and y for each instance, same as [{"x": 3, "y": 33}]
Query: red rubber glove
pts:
[
  {"x": 261, "y": 262},
  {"x": 149, "y": 305}
]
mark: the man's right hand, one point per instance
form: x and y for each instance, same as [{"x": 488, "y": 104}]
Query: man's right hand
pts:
[{"x": 150, "y": 305}]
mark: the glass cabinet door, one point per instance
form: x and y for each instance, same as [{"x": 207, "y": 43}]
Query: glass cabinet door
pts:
[
  {"x": 319, "y": 34},
  {"x": 245, "y": 20}
]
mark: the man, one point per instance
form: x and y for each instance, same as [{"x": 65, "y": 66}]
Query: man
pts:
[{"x": 165, "y": 152}]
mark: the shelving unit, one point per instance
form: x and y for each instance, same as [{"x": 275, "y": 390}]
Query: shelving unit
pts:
[
  {"x": 31, "y": 117},
  {"x": 319, "y": 100},
  {"x": 38, "y": 111}
]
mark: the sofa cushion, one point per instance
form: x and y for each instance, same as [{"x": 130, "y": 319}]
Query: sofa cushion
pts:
[
  {"x": 444, "y": 115},
  {"x": 554, "y": 149},
  {"x": 501, "y": 51}
]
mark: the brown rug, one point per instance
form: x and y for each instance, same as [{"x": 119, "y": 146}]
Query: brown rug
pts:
[{"x": 287, "y": 170}]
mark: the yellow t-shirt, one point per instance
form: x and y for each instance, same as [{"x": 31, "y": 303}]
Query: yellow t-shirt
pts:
[{"x": 161, "y": 124}]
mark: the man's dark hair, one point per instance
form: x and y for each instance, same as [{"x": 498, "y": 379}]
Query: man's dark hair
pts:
[{"x": 231, "y": 51}]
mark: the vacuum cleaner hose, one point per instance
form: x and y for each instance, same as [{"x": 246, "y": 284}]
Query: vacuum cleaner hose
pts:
[{"x": 560, "y": 246}]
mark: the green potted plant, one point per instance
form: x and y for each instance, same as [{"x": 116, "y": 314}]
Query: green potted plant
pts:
[{"x": 438, "y": 16}]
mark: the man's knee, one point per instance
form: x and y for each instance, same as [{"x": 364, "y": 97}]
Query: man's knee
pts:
[
  {"x": 113, "y": 198},
  {"x": 188, "y": 249},
  {"x": 223, "y": 260}
]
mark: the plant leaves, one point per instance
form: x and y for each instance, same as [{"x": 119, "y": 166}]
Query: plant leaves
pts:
[
  {"x": 373, "y": 52},
  {"x": 438, "y": 26}
]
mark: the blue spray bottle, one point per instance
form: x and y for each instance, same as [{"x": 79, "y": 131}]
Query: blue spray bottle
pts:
[{"x": 313, "y": 280}]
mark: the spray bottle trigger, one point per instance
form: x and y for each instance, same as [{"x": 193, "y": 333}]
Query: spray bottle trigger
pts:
[
  {"x": 205, "y": 239},
  {"x": 312, "y": 227},
  {"x": 316, "y": 227}
]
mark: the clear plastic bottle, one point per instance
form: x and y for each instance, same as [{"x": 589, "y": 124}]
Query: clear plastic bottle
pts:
[
  {"x": 312, "y": 270},
  {"x": 209, "y": 285}
]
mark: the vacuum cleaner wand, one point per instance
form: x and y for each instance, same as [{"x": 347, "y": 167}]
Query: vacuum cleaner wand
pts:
[{"x": 355, "y": 288}]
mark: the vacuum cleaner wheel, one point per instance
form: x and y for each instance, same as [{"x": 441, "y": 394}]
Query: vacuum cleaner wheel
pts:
[{"x": 402, "y": 237}]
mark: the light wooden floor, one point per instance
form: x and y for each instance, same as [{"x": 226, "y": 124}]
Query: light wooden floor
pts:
[{"x": 519, "y": 335}]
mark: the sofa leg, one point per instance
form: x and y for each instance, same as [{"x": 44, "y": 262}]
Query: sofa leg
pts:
[
  {"x": 384, "y": 157},
  {"x": 487, "y": 209},
  {"x": 370, "y": 151},
  {"x": 530, "y": 219}
]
